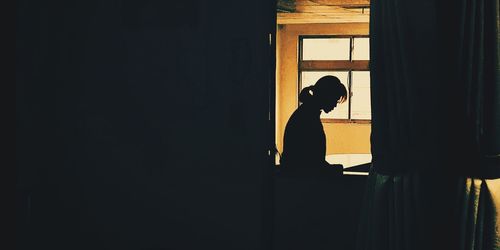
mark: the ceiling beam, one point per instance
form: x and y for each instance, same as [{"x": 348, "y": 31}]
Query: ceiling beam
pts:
[
  {"x": 303, "y": 18},
  {"x": 323, "y": 11},
  {"x": 342, "y": 3}
]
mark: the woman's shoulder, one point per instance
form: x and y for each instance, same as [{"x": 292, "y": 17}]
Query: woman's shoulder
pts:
[
  {"x": 297, "y": 115},
  {"x": 302, "y": 118},
  {"x": 305, "y": 112}
]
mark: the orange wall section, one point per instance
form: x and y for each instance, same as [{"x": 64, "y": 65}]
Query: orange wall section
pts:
[{"x": 341, "y": 137}]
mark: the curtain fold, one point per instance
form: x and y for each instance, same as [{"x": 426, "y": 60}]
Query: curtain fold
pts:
[
  {"x": 478, "y": 68},
  {"x": 435, "y": 86},
  {"x": 393, "y": 216},
  {"x": 435, "y": 91}
]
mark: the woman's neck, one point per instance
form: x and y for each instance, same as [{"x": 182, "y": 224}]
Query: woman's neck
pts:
[{"x": 312, "y": 108}]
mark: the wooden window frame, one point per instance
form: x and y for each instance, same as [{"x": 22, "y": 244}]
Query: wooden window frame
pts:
[{"x": 334, "y": 65}]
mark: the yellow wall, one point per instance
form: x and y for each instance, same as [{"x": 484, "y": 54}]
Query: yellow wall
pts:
[{"x": 341, "y": 137}]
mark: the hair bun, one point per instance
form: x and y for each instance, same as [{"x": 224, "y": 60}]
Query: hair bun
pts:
[{"x": 305, "y": 95}]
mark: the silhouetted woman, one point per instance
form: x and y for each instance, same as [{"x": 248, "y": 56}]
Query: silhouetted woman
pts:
[{"x": 304, "y": 143}]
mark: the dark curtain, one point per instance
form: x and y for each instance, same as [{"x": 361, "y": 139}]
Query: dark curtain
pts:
[
  {"x": 435, "y": 86},
  {"x": 396, "y": 215},
  {"x": 435, "y": 126}
]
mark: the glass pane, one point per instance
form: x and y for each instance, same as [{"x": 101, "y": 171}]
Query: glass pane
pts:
[
  {"x": 361, "y": 48},
  {"x": 325, "y": 48},
  {"x": 310, "y": 77},
  {"x": 360, "y": 99}
]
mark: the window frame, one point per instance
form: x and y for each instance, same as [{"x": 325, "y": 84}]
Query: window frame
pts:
[{"x": 333, "y": 65}]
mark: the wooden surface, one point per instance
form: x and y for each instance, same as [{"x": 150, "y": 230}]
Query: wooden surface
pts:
[
  {"x": 335, "y": 64},
  {"x": 323, "y": 11}
]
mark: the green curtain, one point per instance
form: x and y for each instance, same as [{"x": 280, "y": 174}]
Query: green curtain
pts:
[
  {"x": 398, "y": 214},
  {"x": 435, "y": 86},
  {"x": 435, "y": 92}
]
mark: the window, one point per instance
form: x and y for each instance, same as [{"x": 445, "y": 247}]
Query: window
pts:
[{"x": 346, "y": 57}]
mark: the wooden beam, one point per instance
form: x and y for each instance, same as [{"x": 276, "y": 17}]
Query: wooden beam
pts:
[
  {"x": 329, "y": 9},
  {"x": 321, "y": 15},
  {"x": 340, "y": 17},
  {"x": 308, "y": 12},
  {"x": 334, "y": 65},
  {"x": 289, "y": 18},
  {"x": 344, "y": 3}
]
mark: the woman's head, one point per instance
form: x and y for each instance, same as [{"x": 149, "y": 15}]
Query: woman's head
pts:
[{"x": 326, "y": 93}]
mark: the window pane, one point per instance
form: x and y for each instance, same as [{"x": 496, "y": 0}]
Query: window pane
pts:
[
  {"x": 310, "y": 77},
  {"x": 325, "y": 48},
  {"x": 360, "y": 100},
  {"x": 361, "y": 48}
]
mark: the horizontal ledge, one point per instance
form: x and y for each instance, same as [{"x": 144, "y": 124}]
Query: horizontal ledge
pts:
[
  {"x": 321, "y": 20},
  {"x": 359, "y": 121},
  {"x": 355, "y": 173},
  {"x": 334, "y": 65}
]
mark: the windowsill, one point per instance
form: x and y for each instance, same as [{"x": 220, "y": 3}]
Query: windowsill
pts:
[
  {"x": 354, "y": 164},
  {"x": 349, "y": 160},
  {"x": 327, "y": 120}
]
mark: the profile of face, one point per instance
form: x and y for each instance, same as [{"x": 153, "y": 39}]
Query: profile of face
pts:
[
  {"x": 330, "y": 103},
  {"x": 328, "y": 92}
]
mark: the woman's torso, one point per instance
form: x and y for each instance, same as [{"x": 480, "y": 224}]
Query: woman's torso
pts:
[{"x": 304, "y": 143}]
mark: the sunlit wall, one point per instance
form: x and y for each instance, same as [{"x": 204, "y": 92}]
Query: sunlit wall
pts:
[{"x": 342, "y": 138}]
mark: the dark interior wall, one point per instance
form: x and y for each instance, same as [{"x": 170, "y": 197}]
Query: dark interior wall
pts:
[{"x": 142, "y": 124}]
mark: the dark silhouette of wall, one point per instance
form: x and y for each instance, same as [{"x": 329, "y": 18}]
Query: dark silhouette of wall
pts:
[{"x": 143, "y": 124}]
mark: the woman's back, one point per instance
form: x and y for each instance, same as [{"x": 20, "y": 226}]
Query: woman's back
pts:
[{"x": 304, "y": 143}]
